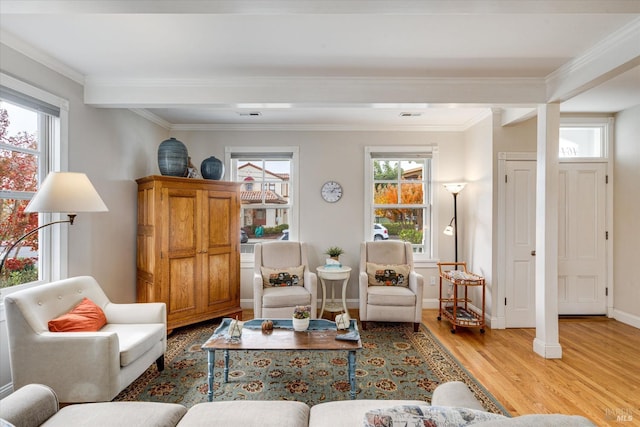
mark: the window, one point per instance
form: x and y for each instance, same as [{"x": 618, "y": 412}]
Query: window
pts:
[
  {"x": 585, "y": 138},
  {"x": 30, "y": 122},
  {"x": 399, "y": 196},
  {"x": 267, "y": 202}
]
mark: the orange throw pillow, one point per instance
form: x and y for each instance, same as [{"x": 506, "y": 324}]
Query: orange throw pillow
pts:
[{"x": 85, "y": 317}]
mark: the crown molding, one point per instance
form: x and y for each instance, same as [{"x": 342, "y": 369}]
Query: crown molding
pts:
[
  {"x": 39, "y": 56},
  {"x": 152, "y": 117},
  {"x": 320, "y": 128}
]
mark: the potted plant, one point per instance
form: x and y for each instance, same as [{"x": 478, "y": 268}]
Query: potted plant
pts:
[
  {"x": 334, "y": 252},
  {"x": 301, "y": 317}
]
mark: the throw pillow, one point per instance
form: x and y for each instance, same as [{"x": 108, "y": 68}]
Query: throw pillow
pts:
[
  {"x": 284, "y": 276},
  {"x": 426, "y": 416},
  {"x": 388, "y": 274},
  {"x": 84, "y": 317}
]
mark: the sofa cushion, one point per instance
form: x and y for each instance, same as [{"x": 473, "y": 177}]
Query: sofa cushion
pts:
[
  {"x": 282, "y": 276},
  {"x": 288, "y": 296},
  {"x": 388, "y": 274},
  {"x": 118, "y": 414},
  {"x": 390, "y": 296},
  {"x": 349, "y": 413},
  {"x": 135, "y": 339},
  {"x": 247, "y": 413},
  {"x": 427, "y": 415},
  {"x": 84, "y": 317}
]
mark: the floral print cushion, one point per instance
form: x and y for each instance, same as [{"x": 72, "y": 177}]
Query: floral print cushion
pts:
[{"x": 426, "y": 416}]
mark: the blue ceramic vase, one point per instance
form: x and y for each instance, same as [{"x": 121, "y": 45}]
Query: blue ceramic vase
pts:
[
  {"x": 173, "y": 158},
  {"x": 212, "y": 168}
]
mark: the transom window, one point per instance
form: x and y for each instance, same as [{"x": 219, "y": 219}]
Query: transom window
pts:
[
  {"x": 399, "y": 194},
  {"x": 585, "y": 138}
]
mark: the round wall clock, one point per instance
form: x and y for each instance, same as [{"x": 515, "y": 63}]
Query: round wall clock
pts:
[{"x": 331, "y": 191}]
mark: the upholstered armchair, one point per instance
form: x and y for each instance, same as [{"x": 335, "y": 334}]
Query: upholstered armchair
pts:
[
  {"x": 82, "y": 366},
  {"x": 279, "y": 269},
  {"x": 390, "y": 289}
]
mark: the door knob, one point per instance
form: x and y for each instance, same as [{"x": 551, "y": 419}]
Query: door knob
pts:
[{"x": 533, "y": 253}]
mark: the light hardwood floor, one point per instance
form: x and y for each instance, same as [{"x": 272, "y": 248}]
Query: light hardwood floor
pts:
[{"x": 597, "y": 377}]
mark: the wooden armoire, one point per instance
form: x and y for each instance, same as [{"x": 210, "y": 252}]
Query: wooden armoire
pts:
[{"x": 189, "y": 247}]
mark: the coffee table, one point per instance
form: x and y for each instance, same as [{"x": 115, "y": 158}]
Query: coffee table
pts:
[{"x": 320, "y": 336}]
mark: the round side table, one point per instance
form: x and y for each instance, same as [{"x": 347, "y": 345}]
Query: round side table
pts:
[{"x": 333, "y": 274}]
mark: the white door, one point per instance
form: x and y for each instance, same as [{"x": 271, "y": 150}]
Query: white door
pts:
[
  {"x": 520, "y": 234},
  {"x": 581, "y": 239}
]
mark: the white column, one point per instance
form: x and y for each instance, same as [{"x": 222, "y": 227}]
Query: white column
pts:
[{"x": 546, "y": 342}]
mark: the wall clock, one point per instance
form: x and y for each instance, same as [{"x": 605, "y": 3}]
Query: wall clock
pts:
[{"x": 331, "y": 191}]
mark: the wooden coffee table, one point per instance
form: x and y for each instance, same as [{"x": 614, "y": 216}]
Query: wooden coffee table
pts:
[{"x": 320, "y": 336}]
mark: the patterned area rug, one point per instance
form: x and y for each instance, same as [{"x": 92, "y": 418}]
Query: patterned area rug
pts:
[{"x": 394, "y": 363}]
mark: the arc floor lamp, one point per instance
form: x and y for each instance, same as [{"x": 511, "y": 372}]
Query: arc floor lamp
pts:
[
  {"x": 454, "y": 188},
  {"x": 61, "y": 192}
]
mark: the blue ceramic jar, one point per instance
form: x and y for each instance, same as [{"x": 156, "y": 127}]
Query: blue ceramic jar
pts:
[
  {"x": 173, "y": 158},
  {"x": 212, "y": 168}
]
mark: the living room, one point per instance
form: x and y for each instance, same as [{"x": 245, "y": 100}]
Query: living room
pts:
[{"x": 116, "y": 145}]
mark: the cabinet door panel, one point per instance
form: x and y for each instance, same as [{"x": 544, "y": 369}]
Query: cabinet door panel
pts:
[
  {"x": 219, "y": 286},
  {"x": 182, "y": 285},
  {"x": 221, "y": 218},
  {"x": 181, "y": 218}
]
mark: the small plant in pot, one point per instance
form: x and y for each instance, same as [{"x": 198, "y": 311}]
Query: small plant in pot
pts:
[
  {"x": 301, "y": 317},
  {"x": 334, "y": 252}
]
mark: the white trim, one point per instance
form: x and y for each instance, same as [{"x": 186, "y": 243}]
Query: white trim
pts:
[{"x": 626, "y": 318}]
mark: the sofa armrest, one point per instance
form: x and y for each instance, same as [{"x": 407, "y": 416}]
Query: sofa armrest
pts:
[
  {"x": 311, "y": 284},
  {"x": 150, "y": 312},
  {"x": 457, "y": 394},
  {"x": 29, "y": 406},
  {"x": 258, "y": 287},
  {"x": 363, "y": 283}
]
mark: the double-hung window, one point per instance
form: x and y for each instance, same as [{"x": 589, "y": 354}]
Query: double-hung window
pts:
[
  {"x": 30, "y": 129},
  {"x": 268, "y": 203},
  {"x": 398, "y": 196}
]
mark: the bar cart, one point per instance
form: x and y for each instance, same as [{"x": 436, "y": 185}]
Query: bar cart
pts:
[{"x": 454, "y": 307}]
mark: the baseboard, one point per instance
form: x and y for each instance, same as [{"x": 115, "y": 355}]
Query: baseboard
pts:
[
  {"x": 548, "y": 351},
  {"x": 628, "y": 318},
  {"x": 6, "y": 390}
]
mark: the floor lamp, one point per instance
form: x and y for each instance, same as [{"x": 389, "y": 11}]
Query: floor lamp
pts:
[
  {"x": 61, "y": 192},
  {"x": 454, "y": 189}
]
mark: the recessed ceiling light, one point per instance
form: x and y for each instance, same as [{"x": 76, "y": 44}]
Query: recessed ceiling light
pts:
[
  {"x": 250, "y": 114},
  {"x": 407, "y": 114}
]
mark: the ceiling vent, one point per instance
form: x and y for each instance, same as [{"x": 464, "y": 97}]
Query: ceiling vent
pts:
[
  {"x": 405, "y": 114},
  {"x": 250, "y": 114}
]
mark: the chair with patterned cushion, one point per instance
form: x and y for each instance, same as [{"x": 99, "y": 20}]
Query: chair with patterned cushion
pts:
[
  {"x": 390, "y": 289},
  {"x": 282, "y": 280}
]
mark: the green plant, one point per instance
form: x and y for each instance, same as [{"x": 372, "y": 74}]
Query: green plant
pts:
[
  {"x": 302, "y": 312},
  {"x": 334, "y": 251},
  {"x": 411, "y": 236}
]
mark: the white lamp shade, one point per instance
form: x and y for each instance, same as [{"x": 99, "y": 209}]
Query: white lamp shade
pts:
[
  {"x": 455, "y": 187},
  {"x": 66, "y": 192}
]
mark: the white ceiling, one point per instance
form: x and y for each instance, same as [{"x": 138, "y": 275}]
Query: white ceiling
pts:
[{"x": 339, "y": 63}]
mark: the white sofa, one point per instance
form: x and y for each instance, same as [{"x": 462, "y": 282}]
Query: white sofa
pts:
[
  {"x": 82, "y": 366},
  {"x": 36, "y": 405}
]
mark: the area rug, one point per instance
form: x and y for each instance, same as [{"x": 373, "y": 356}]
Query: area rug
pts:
[{"x": 394, "y": 363}]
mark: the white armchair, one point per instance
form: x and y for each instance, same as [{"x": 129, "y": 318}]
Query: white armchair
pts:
[
  {"x": 390, "y": 303},
  {"x": 82, "y": 366},
  {"x": 278, "y": 302}
]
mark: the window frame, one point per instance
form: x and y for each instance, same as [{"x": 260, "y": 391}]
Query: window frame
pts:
[
  {"x": 604, "y": 123},
  {"x": 247, "y": 259},
  {"x": 53, "y": 241},
  {"x": 420, "y": 259}
]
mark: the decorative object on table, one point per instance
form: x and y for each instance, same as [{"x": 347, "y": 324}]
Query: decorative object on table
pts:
[
  {"x": 62, "y": 192},
  {"x": 212, "y": 168},
  {"x": 454, "y": 189},
  {"x": 301, "y": 317},
  {"x": 334, "y": 253},
  {"x": 235, "y": 329},
  {"x": 173, "y": 159},
  {"x": 343, "y": 321},
  {"x": 267, "y": 326},
  {"x": 331, "y": 191}
]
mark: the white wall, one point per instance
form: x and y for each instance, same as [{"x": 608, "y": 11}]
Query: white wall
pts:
[
  {"x": 626, "y": 228},
  {"x": 113, "y": 147},
  {"x": 338, "y": 156}
]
